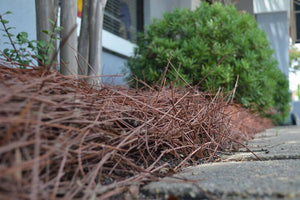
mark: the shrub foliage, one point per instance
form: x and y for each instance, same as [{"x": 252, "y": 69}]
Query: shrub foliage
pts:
[{"x": 197, "y": 40}]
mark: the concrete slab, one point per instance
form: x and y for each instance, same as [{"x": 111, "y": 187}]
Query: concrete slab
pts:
[
  {"x": 278, "y": 177},
  {"x": 233, "y": 180},
  {"x": 273, "y": 144}
]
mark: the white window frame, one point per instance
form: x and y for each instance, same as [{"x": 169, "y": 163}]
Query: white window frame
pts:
[
  {"x": 113, "y": 43},
  {"x": 117, "y": 44}
]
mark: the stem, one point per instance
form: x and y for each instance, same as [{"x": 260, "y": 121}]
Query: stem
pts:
[{"x": 9, "y": 37}]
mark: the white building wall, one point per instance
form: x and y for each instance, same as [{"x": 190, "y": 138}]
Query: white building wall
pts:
[
  {"x": 22, "y": 18},
  {"x": 195, "y": 4},
  {"x": 275, "y": 24},
  {"x": 113, "y": 69},
  {"x": 156, "y": 8},
  {"x": 266, "y": 6},
  {"x": 273, "y": 17}
]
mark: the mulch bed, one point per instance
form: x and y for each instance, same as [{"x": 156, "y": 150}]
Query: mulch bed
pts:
[{"x": 61, "y": 138}]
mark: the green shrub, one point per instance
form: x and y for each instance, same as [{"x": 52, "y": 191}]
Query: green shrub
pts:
[{"x": 197, "y": 40}]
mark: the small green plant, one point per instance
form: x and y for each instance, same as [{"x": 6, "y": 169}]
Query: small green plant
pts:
[
  {"x": 294, "y": 55},
  {"x": 216, "y": 40},
  {"x": 23, "y": 50}
]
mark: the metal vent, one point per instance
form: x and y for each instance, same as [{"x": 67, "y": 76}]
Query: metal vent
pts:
[{"x": 120, "y": 18}]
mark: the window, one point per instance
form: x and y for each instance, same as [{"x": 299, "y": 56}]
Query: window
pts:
[
  {"x": 123, "y": 18},
  {"x": 297, "y": 19}
]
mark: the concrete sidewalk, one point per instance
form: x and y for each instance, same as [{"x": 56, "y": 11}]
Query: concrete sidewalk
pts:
[{"x": 240, "y": 175}]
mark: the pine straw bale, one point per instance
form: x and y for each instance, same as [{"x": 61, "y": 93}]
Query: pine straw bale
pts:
[{"x": 63, "y": 138}]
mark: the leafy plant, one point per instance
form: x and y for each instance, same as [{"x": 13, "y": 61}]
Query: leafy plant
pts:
[
  {"x": 219, "y": 41},
  {"x": 294, "y": 54},
  {"x": 24, "y": 50}
]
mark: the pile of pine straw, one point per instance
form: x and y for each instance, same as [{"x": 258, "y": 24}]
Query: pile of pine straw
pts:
[{"x": 61, "y": 138}]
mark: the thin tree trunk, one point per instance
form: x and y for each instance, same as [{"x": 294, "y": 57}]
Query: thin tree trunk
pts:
[
  {"x": 96, "y": 16},
  {"x": 83, "y": 42},
  {"x": 68, "y": 53},
  {"x": 46, "y": 10}
]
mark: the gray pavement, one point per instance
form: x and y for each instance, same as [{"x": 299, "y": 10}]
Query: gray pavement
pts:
[{"x": 241, "y": 175}]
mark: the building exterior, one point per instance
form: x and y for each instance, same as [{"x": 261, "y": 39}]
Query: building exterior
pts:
[
  {"x": 124, "y": 18},
  {"x": 274, "y": 18},
  {"x": 119, "y": 34}
]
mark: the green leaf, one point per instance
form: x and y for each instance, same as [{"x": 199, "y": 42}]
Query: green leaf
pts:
[
  {"x": 45, "y": 31},
  {"x": 22, "y": 37},
  {"x": 51, "y": 21},
  {"x": 6, "y": 51},
  {"x": 9, "y": 28},
  {"x": 7, "y": 13},
  {"x": 58, "y": 28},
  {"x": 3, "y": 21}
]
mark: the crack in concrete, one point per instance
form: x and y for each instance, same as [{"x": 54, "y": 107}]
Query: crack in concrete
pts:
[{"x": 253, "y": 158}]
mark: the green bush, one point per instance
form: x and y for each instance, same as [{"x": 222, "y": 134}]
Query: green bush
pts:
[{"x": 197, "y": 40}]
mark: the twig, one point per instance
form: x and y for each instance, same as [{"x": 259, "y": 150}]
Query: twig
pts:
[{"x": 9, "y": 36}]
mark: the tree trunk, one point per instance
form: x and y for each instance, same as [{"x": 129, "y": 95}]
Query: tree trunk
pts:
[
  {"x": 46, "y": 10},
  {"x": 68, "y": 52},
  {"x": 83, "y": 42},
  {"x": 96, "y": 16}
]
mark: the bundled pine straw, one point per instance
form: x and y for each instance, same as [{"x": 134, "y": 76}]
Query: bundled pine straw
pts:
[{"x": 62, "y": 138}]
